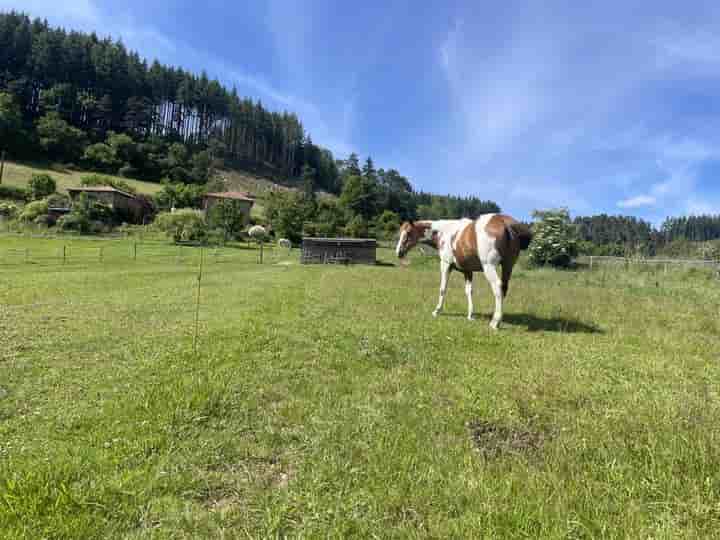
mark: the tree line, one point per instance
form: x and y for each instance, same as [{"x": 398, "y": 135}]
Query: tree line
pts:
[{"x": 620, "y": 235}]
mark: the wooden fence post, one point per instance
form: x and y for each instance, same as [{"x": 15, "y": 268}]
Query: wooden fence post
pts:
[
  {"x": 2, "y": 165},
  {"x": 64, "y": 253}
]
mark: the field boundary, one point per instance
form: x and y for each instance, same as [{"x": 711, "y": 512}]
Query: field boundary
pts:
[{"x": 593, "y": 260}]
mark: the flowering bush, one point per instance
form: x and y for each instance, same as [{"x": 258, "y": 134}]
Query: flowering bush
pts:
[{"x": 554, "y": 241}]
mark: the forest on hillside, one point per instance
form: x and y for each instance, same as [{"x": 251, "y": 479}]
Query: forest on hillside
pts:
[{"x": 77, "y": 98}]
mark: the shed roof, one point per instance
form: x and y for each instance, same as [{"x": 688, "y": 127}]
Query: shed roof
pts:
[
  {"x": 234, "y": 195},
  {"x": 340, "y": 241},
  {"x": 101, "y": 189}
]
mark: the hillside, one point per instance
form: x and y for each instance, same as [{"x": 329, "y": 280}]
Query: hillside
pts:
[{"x": 19, "y": 174}]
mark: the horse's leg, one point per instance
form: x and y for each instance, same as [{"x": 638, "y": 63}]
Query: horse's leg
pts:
[
  {"x": 468, "y": 293},
  {"x": 496, "y": 284},
  {"x": 507, "y": 269},
  {"x": 444, "y": 275}
]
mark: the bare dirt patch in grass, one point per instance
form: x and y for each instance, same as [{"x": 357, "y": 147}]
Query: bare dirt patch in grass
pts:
[{"x": 494, "y": 440}]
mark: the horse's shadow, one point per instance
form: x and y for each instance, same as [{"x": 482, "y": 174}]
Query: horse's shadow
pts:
[{"x": 533, "y": 323}]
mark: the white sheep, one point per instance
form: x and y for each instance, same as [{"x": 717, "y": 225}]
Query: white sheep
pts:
[
  {"x": 257, "y": 233},
  {"x": 285, "y": 243}
]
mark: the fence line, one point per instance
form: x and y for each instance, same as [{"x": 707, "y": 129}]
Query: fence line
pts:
[
  {"x": 592, "y": 260},
  {"x": 68, "y": 254}
]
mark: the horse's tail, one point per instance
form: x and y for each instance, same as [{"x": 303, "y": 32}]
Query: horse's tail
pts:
[{"x": 520, "y": 231}]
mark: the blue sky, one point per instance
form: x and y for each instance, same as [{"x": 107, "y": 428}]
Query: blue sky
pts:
[{"x": 614, "y": 108}]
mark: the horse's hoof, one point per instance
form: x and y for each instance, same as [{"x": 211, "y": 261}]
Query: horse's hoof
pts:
[
  {"x": 435, "y": 313},
  {"x": 494, "y": 325},
  {"x": 471, "y": 317}
]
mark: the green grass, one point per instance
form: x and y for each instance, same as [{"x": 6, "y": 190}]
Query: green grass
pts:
[
  {"x": 326, "y": 402},
  {"x": 19, "y": 174}
]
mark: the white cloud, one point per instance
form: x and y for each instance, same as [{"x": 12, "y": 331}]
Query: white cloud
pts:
[{"x": 637, "y": 201}]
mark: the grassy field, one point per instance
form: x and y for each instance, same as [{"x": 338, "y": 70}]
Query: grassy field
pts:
[
  {"x": 18, "y": 174},
  {"x": 326, "y": 402}
]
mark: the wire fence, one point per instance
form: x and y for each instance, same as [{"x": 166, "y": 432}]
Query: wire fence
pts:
[
  {"x": 594, "y": 261},
  {"x": 104, "y": 251}
]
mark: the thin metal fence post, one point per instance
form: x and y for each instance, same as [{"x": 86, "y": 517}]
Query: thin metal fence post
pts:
[
  {"x": 135, "y": 251},
  {"x": 197, "y": 301},
  {"x": 64, "y": 253}
]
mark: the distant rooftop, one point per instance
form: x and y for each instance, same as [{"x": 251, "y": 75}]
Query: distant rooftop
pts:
[
  {"x": 101, "y": 189},
  {"x": 235, "y": 195}
]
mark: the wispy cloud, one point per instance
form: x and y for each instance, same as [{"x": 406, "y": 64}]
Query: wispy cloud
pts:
[
  {"x": 637, "y": 201},
  {"x": 679, "y": 46},
  {"x": 543, "y": 94}
]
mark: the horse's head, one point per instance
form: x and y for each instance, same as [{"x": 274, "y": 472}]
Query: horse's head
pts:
[{"x": 410, "y": 234}]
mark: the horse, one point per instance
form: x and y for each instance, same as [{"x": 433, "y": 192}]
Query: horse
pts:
[{"x": 468, "y": 246}]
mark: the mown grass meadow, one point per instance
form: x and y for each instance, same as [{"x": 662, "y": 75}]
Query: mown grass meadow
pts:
[{"x": 325, "y": 401}]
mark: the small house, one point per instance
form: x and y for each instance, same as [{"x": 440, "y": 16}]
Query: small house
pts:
[
  {"x": 241, "y": 199},
  {"x": 338, "y": 250},
  {"x": 122, "y": 202}
]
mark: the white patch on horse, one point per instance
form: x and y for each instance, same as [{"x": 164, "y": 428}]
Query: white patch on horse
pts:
[{"x": 401, "y": 243}]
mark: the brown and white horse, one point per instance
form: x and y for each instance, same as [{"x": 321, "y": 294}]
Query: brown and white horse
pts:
[{"x": 483, "y": 245}]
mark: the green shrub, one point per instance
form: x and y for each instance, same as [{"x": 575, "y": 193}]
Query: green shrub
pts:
[
  {"x": 8, "y": 210},
  {"x": 357, "y": 227},
  {"x": 32, "y": 210},
  {"x": 58, "y": 200},
  {"x": 13, "y": 192},
  {"x": 88, "y": 216},
  {"x": 74, "y": 222},
  {"x": 554, "y": 241},
  {"x": 184, "y": 225},
  {"x": 226, "y": 217},
  {"x": 41, "y": 186},
  {"x": 175, "y": 195}
]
